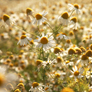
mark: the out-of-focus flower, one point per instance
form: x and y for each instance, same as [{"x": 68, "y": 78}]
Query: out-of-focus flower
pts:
[
  {"x": 76, "y": 73},
  {"x": 67, "y": 90},
  {"x": 29, "y": 11},
  {"x": 74, "y": 7},
  {"x": 73, "y": 23},
  {"x": 8, "y": 20},
  {"x": 64, "y": 18},
  {"x": 45, "y": 41},
  {"x": 24, "y": 40},
  {"x": 62, "y": 35},
  {"x": 36, "y": 87},
  {"x": 39, "y": 17}
]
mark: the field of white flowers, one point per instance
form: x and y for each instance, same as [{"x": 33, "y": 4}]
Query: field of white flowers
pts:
[{"x": 45, "y": 46}]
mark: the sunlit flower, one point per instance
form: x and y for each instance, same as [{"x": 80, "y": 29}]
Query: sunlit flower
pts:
[
  {"x": 74, "y": 7},
  {"x": 60, "y": 75},
  {"x": 36, "y": 87},
  {"x": 67, "y": 90},
  {"x": 73, "y": 23},
  {"x": 39, "y": 17},
  {"x": 64, "y": 18},
  {"x": 62, "y": 35},
  {"x": 29, "y": 11},
  {"x": 76, "y": 73},
  {"x": 46, "y": 41},
  {"x": 24, "y": 40},
  {"x": 8, "y": 20}
]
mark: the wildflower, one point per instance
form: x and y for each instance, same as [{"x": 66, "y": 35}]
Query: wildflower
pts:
[
  {"x": 60, "y": 75},
  {"x": 62, "y": 35},
  {"x": 66, "y": 89},
  {"x": 73, "y": 23},
  {"x": 38, "y": 62},
  {"x": 45, "y": 42},
  {"x": 39, "y": 17},
  {"x": 77, "y": 73},
  {"x": 89, "y": 53},
  {"x": 57, "y": 50},
  {"x": 78, "y": 51},
  {"x": 24, "y": 40},
  {"x": 64, "y": 18},
  {"x": 17, "y": 90},
  {"x": 71, "y": 51},
  {"x": 83, "y": 60},
  {"x": 59, "y": 60},
  {"x": 36, "y": 87},
  {"x": 8, "y": 20},
  {"x": 29, "y": 11},
  {"x": 74, "y": 7}
]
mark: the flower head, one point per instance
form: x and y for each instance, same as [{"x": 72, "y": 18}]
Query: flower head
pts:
[
  {"x": 45, "y": 41},
  {"x": 74, "y": 7},
  {"x": 39, "y": 17},
  {"x": 67, "y": 90},
  {"x": 24, "y": 40},
  {"x": 64, "y": 18}
]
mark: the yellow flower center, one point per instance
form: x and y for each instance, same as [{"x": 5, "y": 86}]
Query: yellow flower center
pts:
[
  {"x": 2, "y": 80},
  {"x": 8, "y": 60},
  {"x": 21, "y": 85},
  {"x": 22, "y": 62},
  {"x": 44, "y": 40},
  {"x": 57, "y": 50},
  {"x": 74, "y": 19},
  {"x": 76, "y": 73},
  {"x": 5, "y": 17},
  {"x": 11, "y": 56},
  {"x": 76, "y": 6},
  {"x": 68, "y": 41},
  {"x": 67, "y": 62},
  {"x": 29, "y": 10},
  {"x": 84, "y": 57},
  {"x": 89, "y": 53},
  {"x": 59, "y": 59},
  {"x": 38, "y": 16},
  {"x": 71, "y": 33},
  {"x": 17, "y": 90},
  {"x": 67, "y": 90},
  {"x": 35, "y": 84},
  {"x": 23, "y": 36},
  {"x": 57, "y": 75},
  {"x": 21, "y": 51},
  {"x": 78, "y": 51},
  {"x": 38, "y": 62},
  {"x": 65, "y": 15},
  {"x": 71, "y": 51},
  {"x": 20, "y": 56}
]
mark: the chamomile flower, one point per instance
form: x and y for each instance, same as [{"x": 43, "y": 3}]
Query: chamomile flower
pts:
[
  {"x": 46, "y": 42},
  {"x": 66, "y": 89},
  {"x": 76, "y": 73},
  {"x": 39, "y": 18},
  {"x": 62, "y": 35},
  {"x": 73, "y": 23},
  {"x": 29, "y": 11},
  {"x": 8, "y": 20},
  {"x": 36, "y": 87},
  {"x": 24, "y": 40},
  {"x": 64, "y": 18},
  {"x": 74, "y": 7}
]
